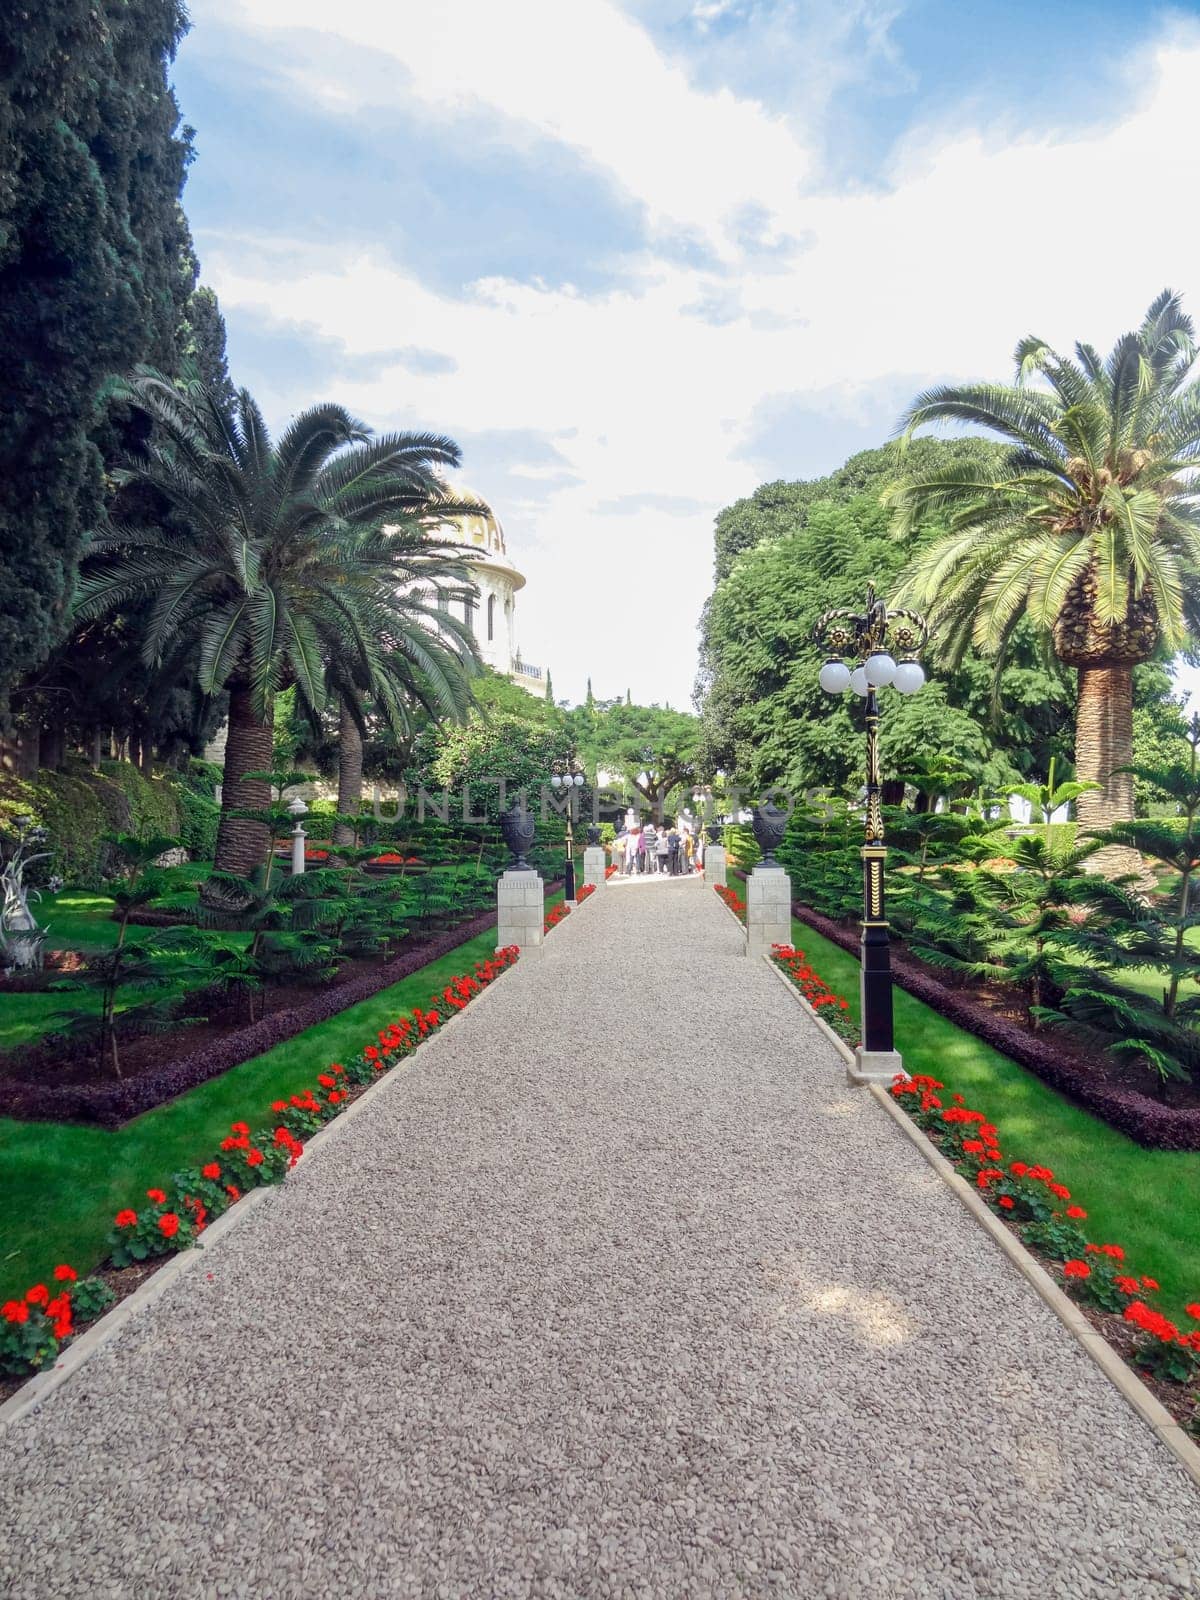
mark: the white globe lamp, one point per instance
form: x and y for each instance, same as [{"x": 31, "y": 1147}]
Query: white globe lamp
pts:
[
  {"x": 859, "y": 681},
  {"x": 880, "y": 669},
  {"x": 834, "y": 676},
  {"x": 910, "y": 676}
]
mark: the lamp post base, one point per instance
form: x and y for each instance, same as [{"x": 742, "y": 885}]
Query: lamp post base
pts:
[{"x": 875, "y": 1066}]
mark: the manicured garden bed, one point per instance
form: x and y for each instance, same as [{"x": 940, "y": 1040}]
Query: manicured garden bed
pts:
[
  {"x": 37, "y": 1322},
  {"x": 61, "y": 1184}
]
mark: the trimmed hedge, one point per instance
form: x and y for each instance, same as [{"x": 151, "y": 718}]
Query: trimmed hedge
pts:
[{"x": 78, "y": 807}]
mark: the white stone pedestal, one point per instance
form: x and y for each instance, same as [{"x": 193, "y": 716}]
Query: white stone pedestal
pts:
[
  {"x": 521, "y": 912},
  {"x": 594, "y": 861},
  {"x": 875, "y": 1066},
  {"x": 714, "y": 863},
  {"x": 768, "y": 910}
]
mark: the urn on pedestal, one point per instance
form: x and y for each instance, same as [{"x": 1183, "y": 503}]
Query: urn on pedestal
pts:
[
  {"x": 518, "y": 829},
  {"x": 769, "y": 825}
]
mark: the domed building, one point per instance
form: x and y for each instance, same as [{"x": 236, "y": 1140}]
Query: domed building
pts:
[{"x": 492, "y": 617}]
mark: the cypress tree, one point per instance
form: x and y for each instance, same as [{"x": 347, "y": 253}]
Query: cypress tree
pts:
[{"x": 95, "y": 269}]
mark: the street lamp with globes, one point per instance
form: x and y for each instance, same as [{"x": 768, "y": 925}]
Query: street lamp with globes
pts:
[
  {"x": 568, "y": 783},
  {"x": 869, "y": 638}
]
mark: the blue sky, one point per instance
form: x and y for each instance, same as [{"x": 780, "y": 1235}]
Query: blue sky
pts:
[{"x": 639, "y": 258}]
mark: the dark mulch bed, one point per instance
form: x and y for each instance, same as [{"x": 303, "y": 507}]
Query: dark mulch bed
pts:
[
  {"x": 1108, "y": 1087},
  {"x": 42, "y": 1084}
]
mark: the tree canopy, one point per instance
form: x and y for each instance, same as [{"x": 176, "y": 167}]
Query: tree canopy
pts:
[{"x": 95, "y": 268}]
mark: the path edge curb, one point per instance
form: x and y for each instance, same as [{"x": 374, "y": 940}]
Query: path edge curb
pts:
[
  {"x": 1133, "y": 1390},
  {"x": 105, "y": 1329}
]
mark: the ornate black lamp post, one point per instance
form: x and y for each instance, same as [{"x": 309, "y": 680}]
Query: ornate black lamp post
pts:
[
  {"x": 569, "y": 784},
  {"x": 868, "y": 638}
]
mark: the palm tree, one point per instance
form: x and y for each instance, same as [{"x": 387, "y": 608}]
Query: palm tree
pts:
[
  {"x": 1090, "y": 527},
  {"x": 277, "y": 563},
  {"x": 431, "y": 657}
]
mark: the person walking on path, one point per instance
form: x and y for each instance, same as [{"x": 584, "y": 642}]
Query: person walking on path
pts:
[
  {"x": 662, "y": 849},
  {"x": 649, "y": 848},
  {"x": 632, "y": 840}
]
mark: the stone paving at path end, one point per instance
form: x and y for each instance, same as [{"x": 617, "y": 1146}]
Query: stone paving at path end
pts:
[{"x": 618, "y": 1290}]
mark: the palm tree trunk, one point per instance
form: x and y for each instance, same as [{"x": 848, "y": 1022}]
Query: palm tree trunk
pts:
[
  {"x": 243, "y": 845},
  {"x": 1103, "y": 742},
  {"x": 350, "y": 773}
]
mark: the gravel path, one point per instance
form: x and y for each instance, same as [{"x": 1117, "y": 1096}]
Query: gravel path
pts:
[{"x": 618, "y": 1291}]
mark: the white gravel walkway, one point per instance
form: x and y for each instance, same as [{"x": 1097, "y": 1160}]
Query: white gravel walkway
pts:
[{"x": 618, "y": 1291}]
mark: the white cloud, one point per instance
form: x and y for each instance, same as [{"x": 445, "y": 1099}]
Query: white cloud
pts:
[{"x": 974, "y": 242}]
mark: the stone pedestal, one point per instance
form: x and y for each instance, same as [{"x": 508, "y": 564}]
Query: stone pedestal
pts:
[
  {"x": 521, "y": 912},
  {"x": 594, "y": 862},
  {"x": 714, "y": 863},
  {"x": 875, "y": 1066},
  {"x": 768, "y": 910}
]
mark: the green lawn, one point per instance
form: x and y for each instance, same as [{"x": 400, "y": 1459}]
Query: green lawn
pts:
[
  {"x": 1146, "y": 1200},
  {"x": 60, "y": 1186},
  {"x": 77, "y": 919}
]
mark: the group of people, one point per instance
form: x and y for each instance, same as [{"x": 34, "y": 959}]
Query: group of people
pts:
[{"x": 670, "y": 849}]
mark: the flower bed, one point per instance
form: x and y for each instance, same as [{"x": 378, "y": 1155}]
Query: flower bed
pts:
[
  {"x": 1040, "y": 1210},
  {"x": 732, "y": 899},
  {"x": 34, "y": 1329},
  {"x": 610, "y": 871},
  {"x": 588, "y": 888},
  {"x": 833, "y": 1009}
]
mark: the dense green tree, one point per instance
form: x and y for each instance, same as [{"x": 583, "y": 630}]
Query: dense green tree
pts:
[
  {"x": 766, "y": 719},
  {"x": 281, "y": 563},
  {"x": 1089, "y": 526},
  {"x": 95, "y": 266},
  {"x": 511, "y": 740},
  {"x": 656, "y": 750}
]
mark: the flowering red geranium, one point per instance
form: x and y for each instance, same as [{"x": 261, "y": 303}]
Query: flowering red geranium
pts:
[
  {"x": 157, "y": 1196},
  {"x": 15, "y": 1311},
  {"x": 168, "y": 1224},
  {"x": 126, "y": 1219},
  {"x": 1076, "y": 1213},
  {"x": 1076, "y": 1269},
  {"x": 211, "y": 1171},
  {"x": 65, "y": 1274}
]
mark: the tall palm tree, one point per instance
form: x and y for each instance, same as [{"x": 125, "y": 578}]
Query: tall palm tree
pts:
[
  {"x": 431, "y": 656},
  {"x": 1090, "y": 527},
  {"x": 277, "y": 564}
]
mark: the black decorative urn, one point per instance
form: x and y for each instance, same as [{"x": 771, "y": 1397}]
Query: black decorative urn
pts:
[
  {"x": 518, "y": 830},
  {"x": 593, "y": 836},
  {"x": 769, "y": 824},
  {"x": 714, "y": 831}
]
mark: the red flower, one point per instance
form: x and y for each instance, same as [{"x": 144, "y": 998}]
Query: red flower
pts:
[
  {"x": 326, "y": 1080},
  {"x": 1076, "y": 1212},
  {"x": 1019, "y": 1169},
  {"x": 38, "y": 1295},
  {"x": 254, "y": 1158},
  {"x": 59, "y": 1312},
  {"x": 278, "y": 1105},
  {"x": 973, "y": 1146},
  {"x": 126, "y": 1219},
  {"x": 15, "y": 1311},
  {"x": 168, "y": 1224},
  {"x": 1077, "y": 1269},
  {"x": 240, "y": 1127},
  {"x": 1113, "y": 1250},
  {"x": 232, "y": 1190},
  {"x": 1006, "y": 1202},
  {"x": 65, "y": 1274},
  {"x": 1151, "y": 1321},
  {"x": 1127, "y": 1285},
  {"x": 157, "y": 1196},
  {"x": 212, "y": 1171},
  {"x": 1149, "y": 1283},
  {"x": 1193, "y": 1310}
]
